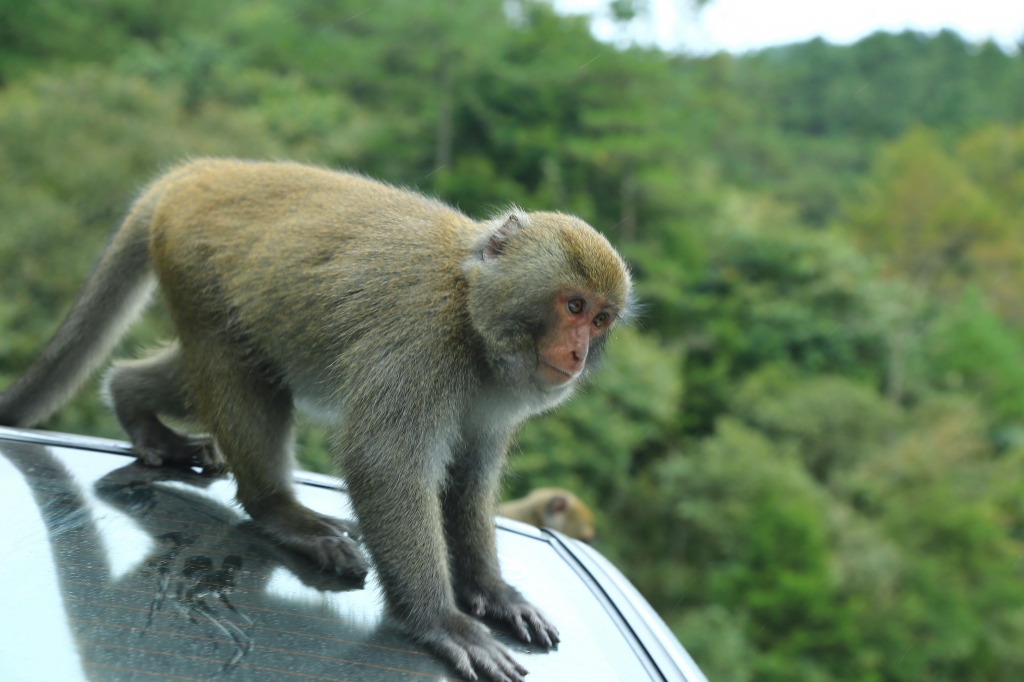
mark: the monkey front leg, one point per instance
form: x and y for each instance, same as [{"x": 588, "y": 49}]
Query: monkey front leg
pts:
[
  {"x": 469, "y": 505},
  {"x": 250, "y": 417},
  {"x": 395, "y": 495}
]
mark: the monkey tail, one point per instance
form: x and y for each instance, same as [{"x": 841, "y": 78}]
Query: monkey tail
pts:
[{"x": 115, "y": 293}]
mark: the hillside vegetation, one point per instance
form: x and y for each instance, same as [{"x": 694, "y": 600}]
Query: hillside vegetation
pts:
[{"x": 808, "y": 453}]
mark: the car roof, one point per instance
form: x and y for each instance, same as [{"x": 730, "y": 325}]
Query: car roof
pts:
[{"x": 119, "y": 571}]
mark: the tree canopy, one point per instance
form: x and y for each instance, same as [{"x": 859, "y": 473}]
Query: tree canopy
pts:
[{"x": 808, "y": 452}]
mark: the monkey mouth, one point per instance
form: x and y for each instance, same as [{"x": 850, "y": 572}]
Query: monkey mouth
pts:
[{"x": 557, "y": 368}]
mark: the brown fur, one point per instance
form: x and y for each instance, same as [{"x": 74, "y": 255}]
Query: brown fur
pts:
[
  {"x": 553, "y": 508},
  {"x": 414, "y": 330}
]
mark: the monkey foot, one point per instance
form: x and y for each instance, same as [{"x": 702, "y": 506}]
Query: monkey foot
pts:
[
  {"x": 504, "y": 602},
  {"x": 178, "y": 450},
  {"x": 331, "y": 543},
  {"x": 468, "y": 646}
]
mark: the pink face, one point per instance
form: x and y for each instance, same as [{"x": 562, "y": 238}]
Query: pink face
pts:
[{"x": 581, "y": 316}]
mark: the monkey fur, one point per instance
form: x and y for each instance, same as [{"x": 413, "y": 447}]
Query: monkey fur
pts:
[
  {"x": 423, "y": 337},
  {"x": 553, "y": 508}
]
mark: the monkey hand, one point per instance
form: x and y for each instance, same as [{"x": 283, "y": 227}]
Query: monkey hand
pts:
[
  {"x": 167, "y": 448},
  {"x": 331, "y": 543},
  {"x": 468, "y": 645},
  {"x": 503, "y": 602}
]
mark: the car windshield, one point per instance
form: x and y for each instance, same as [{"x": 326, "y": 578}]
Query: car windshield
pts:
[{"x": 118, "y": 571}]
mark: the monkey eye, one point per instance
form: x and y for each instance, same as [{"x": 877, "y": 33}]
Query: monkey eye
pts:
[
  {"x": 576, "y": 306},
  {"x": 601, "y": 319}
]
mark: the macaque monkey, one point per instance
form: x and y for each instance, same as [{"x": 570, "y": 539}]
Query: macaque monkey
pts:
[
  {"x": 424, "y": 337},
  {"x": 553, "y": 508}
]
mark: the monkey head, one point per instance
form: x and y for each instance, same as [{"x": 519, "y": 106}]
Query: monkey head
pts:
[
  {"x": 566, "y": 513},
  {"x": 544, "y": 291}
]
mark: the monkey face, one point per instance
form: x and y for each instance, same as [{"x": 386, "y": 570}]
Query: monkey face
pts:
[{"x": 580, "y": 317}]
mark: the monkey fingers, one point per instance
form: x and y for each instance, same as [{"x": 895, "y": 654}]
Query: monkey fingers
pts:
[
  {"x": 329, "y": 542},
  {"x": 158, "y": 447},
  {"x": 507, "y": 604},
  {"x": 521, "y": 614},
  {"x": 468, "y": 645}
]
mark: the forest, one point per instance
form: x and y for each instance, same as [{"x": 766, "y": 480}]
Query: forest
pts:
[{"x": 807, "y": 451}]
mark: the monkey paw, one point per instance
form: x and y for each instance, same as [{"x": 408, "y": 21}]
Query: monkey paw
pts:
[
  {"x": 505, "y": 603},
  {"x": 331, "y": 543},
  {"x": 178, "y": 450},
  {"x": 468, "y": 646}
]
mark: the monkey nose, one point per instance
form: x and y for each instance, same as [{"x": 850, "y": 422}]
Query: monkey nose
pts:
[{"x": 578, "y": 360}]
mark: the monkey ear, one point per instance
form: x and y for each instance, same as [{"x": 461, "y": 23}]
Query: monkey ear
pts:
[
  {"x": 557, "y": 505},
  {"x": 495, "y": 245}
]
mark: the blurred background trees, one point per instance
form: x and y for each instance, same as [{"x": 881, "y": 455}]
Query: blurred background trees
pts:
[{"x": 808, "y": 453}]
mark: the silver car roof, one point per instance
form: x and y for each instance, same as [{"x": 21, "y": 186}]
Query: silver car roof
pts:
[{"x": 118, "y": 571}]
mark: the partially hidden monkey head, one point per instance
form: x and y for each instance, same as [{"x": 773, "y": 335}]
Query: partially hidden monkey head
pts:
[
  {"x": 544, "y": 291},
  {"x": 564, "y": 512},
  {"x": 553, "y": 508}
]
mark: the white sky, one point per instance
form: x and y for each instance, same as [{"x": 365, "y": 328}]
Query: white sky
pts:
[{"x": 740, "y": 25}]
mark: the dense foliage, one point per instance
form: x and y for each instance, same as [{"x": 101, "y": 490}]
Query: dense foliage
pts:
[{"x": 808, "y": 453}]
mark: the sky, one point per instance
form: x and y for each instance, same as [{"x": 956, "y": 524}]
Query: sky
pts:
[{"x": 742, "y": 25}]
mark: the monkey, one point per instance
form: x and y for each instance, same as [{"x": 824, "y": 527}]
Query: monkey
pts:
[
  {"x": 422, "y": 337},
  {"x": 554, "y": 508}
]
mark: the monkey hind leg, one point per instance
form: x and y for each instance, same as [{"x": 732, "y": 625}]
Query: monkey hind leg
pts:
[
  {"x": 250, "y": 417},
  {"x": 140, "y": 391}
]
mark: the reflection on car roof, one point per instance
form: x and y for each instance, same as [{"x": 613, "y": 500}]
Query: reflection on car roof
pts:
[{"x": 157, "y": 574}]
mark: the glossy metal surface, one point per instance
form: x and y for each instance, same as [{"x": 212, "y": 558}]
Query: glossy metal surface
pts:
[
  {"x": 672, "y": 660},
  {"x": 114, "y": 571}
]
